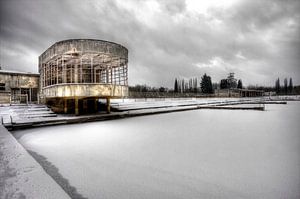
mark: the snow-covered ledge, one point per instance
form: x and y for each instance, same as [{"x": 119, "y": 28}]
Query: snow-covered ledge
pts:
[{"x": 20, "y": 175}]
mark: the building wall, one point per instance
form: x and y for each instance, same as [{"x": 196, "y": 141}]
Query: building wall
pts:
[
  {"x": 22, "y": 87},
  {"x": 15, "y": 80},
  {"x": 4, "y": 97}
]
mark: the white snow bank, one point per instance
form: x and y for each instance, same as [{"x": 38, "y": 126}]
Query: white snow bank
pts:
[
  {"x": 20, "y": 175},
  {"x": 174, "y": 102}
]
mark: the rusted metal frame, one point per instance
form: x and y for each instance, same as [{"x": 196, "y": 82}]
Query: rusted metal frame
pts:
[
  {"x": 71, "y": 73},
  {"x": 103, "y": 75},
  {"x": 122, "y": 75},
  {"x": 92, "y": 70},
  {"x": 106, "y": 73},
  {"x": 44, "y": 74},
  {"x": 52, "y": 73},
  {"x": 81, "y": 69},
  {"x": 76, "y": 70},
  {"x": 57, "y": 71},
  {"x": 111, "y": 74},
  {"x": 115, "y": 70},
  {"x": 47, "y": 73},
  {"x": 119, "y": 77},
  {"x": 118, "y": 74},
  {"x": 64, "y": 76},
  {"x": 126, "y": 75}
]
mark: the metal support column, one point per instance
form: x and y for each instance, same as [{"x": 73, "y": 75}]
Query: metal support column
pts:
[
  {"x": 76, "y": 106},
  {"x": 96, "y": 105},
  {"x": 65, "y": 106},
  {"x": 108, "y": 105}
]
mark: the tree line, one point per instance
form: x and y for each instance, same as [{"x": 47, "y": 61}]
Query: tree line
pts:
[
  {"x": 287, "y": 88},
  {"x": 146, "y": 88},
  {"x": 206, "y": 86},
  {"x": 183, "y": 86},
  {"x": 193, "y": 85}
]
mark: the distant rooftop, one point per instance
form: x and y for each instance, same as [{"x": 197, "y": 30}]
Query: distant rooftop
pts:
[{"x": 18, "y": 72}]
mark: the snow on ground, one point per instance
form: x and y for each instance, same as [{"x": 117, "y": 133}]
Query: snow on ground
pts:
[
  {"x": 147, "y": 103},
  {"x": 24, "y": 113},
  {"x": 284, "y": 97},
  {"x": 192, "y": 154},
  {"x": 20, "y": 175},
  {"x": 134, "y": 104}
]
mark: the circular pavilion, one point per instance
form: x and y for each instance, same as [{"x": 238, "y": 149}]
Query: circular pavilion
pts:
[{"x": 75, "y": 73}]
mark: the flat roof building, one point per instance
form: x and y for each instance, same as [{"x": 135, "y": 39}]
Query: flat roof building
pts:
[{"x": 18, "y": 87}]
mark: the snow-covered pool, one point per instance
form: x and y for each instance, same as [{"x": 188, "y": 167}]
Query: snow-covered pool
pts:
[{"x": 192, "y": 154}]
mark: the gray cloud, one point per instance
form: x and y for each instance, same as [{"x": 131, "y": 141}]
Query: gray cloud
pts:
[{"x": 259, "y": 40}]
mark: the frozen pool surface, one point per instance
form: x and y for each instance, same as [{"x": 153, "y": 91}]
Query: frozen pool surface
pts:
[{"x": 192, "y": 154}]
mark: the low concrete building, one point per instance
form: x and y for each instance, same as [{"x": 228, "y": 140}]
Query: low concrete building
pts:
[{"x": 18, "y": 87}]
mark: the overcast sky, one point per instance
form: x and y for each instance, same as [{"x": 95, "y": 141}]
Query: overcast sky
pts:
[{"x": 259, "y": 40}]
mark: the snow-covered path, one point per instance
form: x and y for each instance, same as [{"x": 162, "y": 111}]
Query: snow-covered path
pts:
[
  {"x": 192, "y": 154},
  {"x": 20, "y": 175}
]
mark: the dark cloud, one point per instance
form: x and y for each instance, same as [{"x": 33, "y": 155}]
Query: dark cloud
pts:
[
  {"x": 173, "y": 6},
  {"x": 259, "y": 40}
]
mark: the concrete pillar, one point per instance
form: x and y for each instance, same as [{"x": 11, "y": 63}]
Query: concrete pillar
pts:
[
  {"x": 108, "y": 105},
  {"x": 30, "y": 95},
  {"x": 65, "y": 106},
  {"x": 76, "y": 73},
  {"x": 85, "y": 105},
  {"x": 76, "y": 106},
  {"x": 27, "y": 99},
  {"x": 96, "y": 105}
]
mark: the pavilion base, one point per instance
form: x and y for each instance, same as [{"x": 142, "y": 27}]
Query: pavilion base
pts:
[{"x": 78, "y": 106}]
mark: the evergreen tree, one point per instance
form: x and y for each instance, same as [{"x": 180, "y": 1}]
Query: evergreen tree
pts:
[
  {"x": 277, "y": 86},
  {"x": 206, "y": 84},
  {"x": 291, "y": 86},
  {"x": 231, "y": 81},
  {"x": 162, "y": 89},
  {"x": 176, "y": 86},
  {"x": 179, "y": 86},
  {"x": 240, "y": 84},
  {"x": 190, "y": 84},
  {"x": 195, "y": 85},
  {"x": 215, "y": 86},
  {"x": 223, "y": 84},
  {"x": 285, "y": 85}
]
